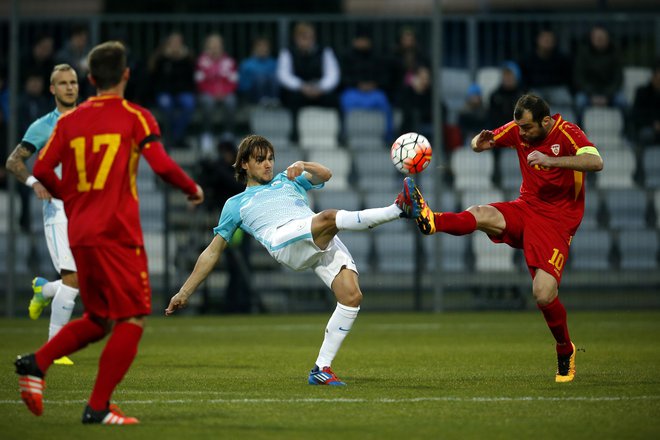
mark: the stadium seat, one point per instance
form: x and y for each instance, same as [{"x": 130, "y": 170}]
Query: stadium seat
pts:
[
  {"x": 454, "y": 85},
  {"x": 638, "y": 249},
  {"x": 472, "y": 170},
  {"x": 395, "y": 252},
  {"x": 488, "y": 78},
  {"x": 590, "y": 249},
  {"x": 656, "y": 204},
  {"x": 509, "y": 170},
  {"x": 491, "y": 257},
  {"x": 626, "y": 208},
  {"x": 567, "y": 113},
  {"x": 285, "y": 157},
  {"x": 274, "y": 123},
  {"x": 21, "y": 253},
  {"x": 620, "y": 170},
  {"x": 604, "y": 127},
  {"x": 154, "y": 245},
  {"x": 318, "y": 128},
  {"x": 152, "y": 211},
  {"x": 480, "y": 197},
  {"x": 651, "y": 167},
  {"x": 375, "y": 172},
  {"x": 359, "y": 244},
  {"x": 348, "y": 200},
  {"x": 633, "y": 78},
  {"x": 453, "y": 253},
  {"x": 365, "y": 129},
  {"x": 591, "y": 209},
  {"x": 339, "y": 162}
]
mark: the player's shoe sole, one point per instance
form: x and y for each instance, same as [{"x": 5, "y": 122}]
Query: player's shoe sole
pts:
[
  {"x": 424, "y": 216},
  {"x": 38, "y": 303},
  {"x": 404, "y": 203},
  {"x": 111, "y": 416},
  {"x": 566, "y": 367},
  {"x": 64, "y": 360},
  {"x": 31, "y": 383},
  {"x": 324, "y": 376}
]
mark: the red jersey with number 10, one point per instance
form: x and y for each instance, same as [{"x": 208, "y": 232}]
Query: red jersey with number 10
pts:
[
  {"x": 99, "y": 145},
  {"x": 553, "y": 192}
]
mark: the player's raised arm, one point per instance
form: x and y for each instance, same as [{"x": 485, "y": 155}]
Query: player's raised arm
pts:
[
  {"x": 483, "y": 141},
  {"x": 316, "y": 173},
  {"x": 171, "y": 172},
  {"x": 205, "y": 264}
]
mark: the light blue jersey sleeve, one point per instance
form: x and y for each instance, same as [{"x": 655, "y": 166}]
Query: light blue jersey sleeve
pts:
[
  {"x": 230, "y": 219},
  {"x": 40, "y": 130}
]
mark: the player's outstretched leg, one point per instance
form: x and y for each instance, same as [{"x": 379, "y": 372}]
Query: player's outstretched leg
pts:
[
  {"x": 38, "y": 302},
  {"x": 566, "y": 367},
  {"x": 425, "y": 217},
  {"x": 109, "y": 416},
  {"x": 31, "y": 383},
  {"x": 324, "y": 376}
]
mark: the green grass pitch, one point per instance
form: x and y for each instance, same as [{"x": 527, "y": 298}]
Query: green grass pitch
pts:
[{"x": 437, "y": 376}]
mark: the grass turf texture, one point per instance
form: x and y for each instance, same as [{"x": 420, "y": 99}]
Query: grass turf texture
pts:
[{"x": 455, "y": 375}]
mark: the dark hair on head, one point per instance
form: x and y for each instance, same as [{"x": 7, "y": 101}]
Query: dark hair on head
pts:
[
  {"x": 536, "y": 106},
  {"x": 251, "y": 146},
  {"x": 107, "y": 63}
]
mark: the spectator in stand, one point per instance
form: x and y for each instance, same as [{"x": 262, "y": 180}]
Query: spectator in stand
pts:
[
  {"x": 364, "y": 79},
  {"x": 474, "y": 115},
  {"x": 503, "y": 99},
  {"x": 598, "y": 72},
  {"x": 646, "y": 110},
  {"x": 308, "y": 73},
  {"x": 257, "y": 75},
  {"x": 216, "y": 76},
  {"x": 416, "y": 103},
  {"x": 173, "y": 78},
  {"x": 547, "y": 72},
  {"x": 406, "y": 64},
  {"x": 74, "y": 53},
  {"x": 40, "y": 60}
]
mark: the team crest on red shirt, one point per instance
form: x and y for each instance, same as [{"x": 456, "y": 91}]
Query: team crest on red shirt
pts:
[{"x": 555, "y": 149}]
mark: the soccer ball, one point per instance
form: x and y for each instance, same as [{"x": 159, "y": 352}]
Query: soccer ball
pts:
[{"x": 411, "y": 153}]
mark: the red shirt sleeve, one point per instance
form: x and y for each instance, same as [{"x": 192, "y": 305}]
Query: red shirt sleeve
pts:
[
  {"x": 506, "y": 135},
  {"x": 167, "y": 169},
  {"x": 47, "y": 160}
]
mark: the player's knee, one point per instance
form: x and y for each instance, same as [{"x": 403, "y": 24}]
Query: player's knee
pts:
[
  {"x": 327, "y": 217},
  {"x": 544, "y": 295},
  {"x": 352, "y": 297}
]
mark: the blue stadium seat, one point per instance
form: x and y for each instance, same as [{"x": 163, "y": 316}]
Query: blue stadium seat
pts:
[
  {"x": 590, "y": 249},
  {"x": 638, "y": 249},
  {"x": 626, "y": 208},
  {"x": 651, "y": 166}
]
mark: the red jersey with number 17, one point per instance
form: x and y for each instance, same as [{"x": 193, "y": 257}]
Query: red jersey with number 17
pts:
[
  {"x": 99, "y": 145},
  {"x": 555, "y": 193}
]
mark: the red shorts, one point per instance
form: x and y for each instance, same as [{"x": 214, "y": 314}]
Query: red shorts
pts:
[
  {"x": 544, "y": 242},
  {"x": 114, "y": 281}
]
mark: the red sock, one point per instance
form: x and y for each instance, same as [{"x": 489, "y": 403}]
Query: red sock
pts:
[
  {"x": 115, "y": 361},
  {"x": 71, "y": 338},
  {"x": 555, "y": 316},
  {"x": 461, "y": 223}
]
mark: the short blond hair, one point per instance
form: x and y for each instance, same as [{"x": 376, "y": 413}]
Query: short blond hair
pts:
[{"x": 61, "y": 68}]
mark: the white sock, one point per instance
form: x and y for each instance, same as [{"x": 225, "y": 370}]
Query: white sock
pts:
[
  {"x": 61, "y": 309},
  {"x": 338, "y": 327},
  {"x": 366, "y": 219},
  {"x": 49, "y": 289}
]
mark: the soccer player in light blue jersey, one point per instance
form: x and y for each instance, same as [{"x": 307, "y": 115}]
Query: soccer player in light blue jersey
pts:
[
  {"x": 276, "y": 212},
  {"x": 63, "y": 292}
]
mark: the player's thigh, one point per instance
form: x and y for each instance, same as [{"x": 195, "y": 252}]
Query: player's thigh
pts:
[
  {"x": 338, "y": 271},
  {"x": 489, "y": 219},
  {"x": 546, "y": 247},
  {"x": 57, "y": 241}
]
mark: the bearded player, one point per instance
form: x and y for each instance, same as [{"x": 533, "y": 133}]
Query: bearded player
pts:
[{"x": 553, "y": 154}]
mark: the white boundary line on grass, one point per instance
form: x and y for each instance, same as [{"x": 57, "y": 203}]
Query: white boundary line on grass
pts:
[{"x": 359, "y": 400}]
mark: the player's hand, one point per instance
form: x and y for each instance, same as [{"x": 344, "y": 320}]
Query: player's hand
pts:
[
  {"x": 41, "y": 191},
  {"x": 294, "y": 170},
  {"x": 178, "y": 301},
  {"x": 198, "y": 197},
  {"x": 486, "y": 140},
  {"x": 538, "y": 158}
]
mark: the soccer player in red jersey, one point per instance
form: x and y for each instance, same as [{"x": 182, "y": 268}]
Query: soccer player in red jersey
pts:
[
  {"x": 99, "y": 146},
  {"x": 554, "y": 154}
]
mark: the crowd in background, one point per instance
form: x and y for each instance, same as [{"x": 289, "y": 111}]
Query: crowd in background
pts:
[{"x": 175, "y": 82}]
